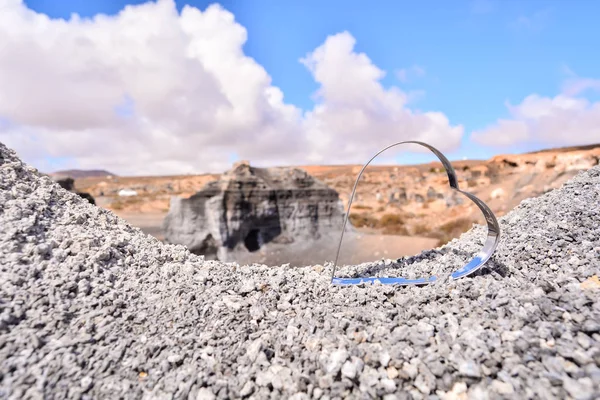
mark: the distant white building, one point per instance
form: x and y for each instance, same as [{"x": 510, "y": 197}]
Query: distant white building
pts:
[{"x": 127, "y": 193}]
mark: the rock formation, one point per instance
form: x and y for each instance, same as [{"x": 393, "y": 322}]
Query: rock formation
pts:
[
  {"x": 69, "y": 184},
  {"x": 249, "y": 208}
]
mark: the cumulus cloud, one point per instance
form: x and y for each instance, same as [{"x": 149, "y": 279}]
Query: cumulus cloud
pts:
[
  {"x": 152, "y": 90},
  {"x": 356, "y": 115},
  {"x": 560, "y": 121}
]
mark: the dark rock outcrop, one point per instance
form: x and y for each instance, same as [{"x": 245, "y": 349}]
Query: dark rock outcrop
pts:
[
  {"x": 69, "y": 184},
  {"x": 249, "y": 208},
  {"x": 66, "y": 183}
]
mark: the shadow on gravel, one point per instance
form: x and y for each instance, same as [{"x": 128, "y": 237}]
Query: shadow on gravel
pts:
[{"x": 492, "y": 266}]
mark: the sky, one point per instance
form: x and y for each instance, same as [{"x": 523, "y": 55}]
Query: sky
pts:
[{"x": 170, "y": 87}]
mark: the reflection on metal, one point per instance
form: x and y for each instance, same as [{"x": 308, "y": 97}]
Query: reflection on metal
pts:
[{"x": 478, "y": 260}]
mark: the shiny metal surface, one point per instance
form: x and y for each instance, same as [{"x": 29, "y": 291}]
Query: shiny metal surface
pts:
[{"x": 473, "y": 265}]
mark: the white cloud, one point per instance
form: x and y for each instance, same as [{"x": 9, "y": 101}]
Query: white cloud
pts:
[
  {"x": 576, "y": 86},
  {"x": 355, "y": 115},
  {"x": 154, "y": 91},
  {"x": 559, "y": 121},
  {"x": 564, "y": 120}
]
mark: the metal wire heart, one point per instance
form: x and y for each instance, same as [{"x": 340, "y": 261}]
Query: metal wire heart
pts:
[{"x": 473, "y": 265}]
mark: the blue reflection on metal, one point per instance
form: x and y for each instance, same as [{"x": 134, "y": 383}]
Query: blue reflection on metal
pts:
[
  {"x": 384, "y": 281},
  {"x": 471, "y": 267}
]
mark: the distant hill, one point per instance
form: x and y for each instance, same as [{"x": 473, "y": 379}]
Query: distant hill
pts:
[
  {"x": 567, "y": 149},
  {"x": 80, "y": 173}
]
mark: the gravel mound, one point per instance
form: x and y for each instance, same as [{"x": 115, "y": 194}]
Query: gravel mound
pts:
[{"x": 93, "y": 308}]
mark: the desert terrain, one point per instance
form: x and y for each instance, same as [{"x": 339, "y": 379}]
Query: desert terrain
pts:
[{"x": 397, "y": 211}]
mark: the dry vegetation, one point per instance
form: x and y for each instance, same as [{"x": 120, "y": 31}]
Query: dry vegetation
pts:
[
  {"x": 363, "y": 221},
  {"x": 393, "y": 224},
  {"x": 388, "y": 224},
  {"x": 125, "y": 203},
  {"x": 453, "y": 229},
  {"x": 396, "y": 224}
]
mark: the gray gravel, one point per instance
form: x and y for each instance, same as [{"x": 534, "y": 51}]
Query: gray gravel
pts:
[{"x": 93, "y": 308}]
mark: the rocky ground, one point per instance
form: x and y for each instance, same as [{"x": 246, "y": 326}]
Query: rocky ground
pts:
[{"x": 93, "y": 308}]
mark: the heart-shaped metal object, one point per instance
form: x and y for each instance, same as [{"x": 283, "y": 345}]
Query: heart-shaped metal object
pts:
[{"x": 476, "y": 262}]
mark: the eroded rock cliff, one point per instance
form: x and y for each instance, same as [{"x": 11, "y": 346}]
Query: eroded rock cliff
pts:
[{"x": 249, "y": 208}]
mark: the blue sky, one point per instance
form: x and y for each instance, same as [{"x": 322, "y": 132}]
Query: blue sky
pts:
[{"x": 466, "y": 59}]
